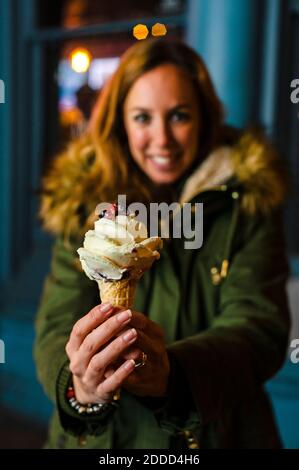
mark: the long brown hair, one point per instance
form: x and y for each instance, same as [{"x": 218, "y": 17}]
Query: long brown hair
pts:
[
  {"x": 106, "y": 127},
  {"x": 103, "y": 151}
]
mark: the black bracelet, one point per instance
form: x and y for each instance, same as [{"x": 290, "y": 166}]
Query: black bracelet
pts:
[{"x": 90, "y": 408}]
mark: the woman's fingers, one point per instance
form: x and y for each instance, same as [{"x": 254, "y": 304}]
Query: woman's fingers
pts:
[
  {"x": 115, "y": 381},
  {"x": 131, "y": 353},
  {"x": 140, "y": 321},
  {"x": 108, "y": 372},
  {"x": 99, "y": 362},
  {"x": 98, "y": 339},
  {"x": 86, "y": 325},
  {"x": 101, "y": 335},
  {"x": 143, "y": 323}
]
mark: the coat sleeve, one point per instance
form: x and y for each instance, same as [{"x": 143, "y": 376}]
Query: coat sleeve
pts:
[
  {"x": 67, "y": 295},
  {"x": 246, "y": 344}
]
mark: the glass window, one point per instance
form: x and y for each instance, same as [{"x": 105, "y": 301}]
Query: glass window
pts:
[
  {"x": 75, "y": 13},
  {"x": 71, "y": 69}
]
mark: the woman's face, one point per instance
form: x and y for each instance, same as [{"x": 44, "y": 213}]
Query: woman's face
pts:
[{"x": 162, "y": 122}]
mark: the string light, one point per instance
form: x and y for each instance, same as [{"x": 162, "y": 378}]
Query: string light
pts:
[
  {"x": 159, "y": 29},
  {"x": 80, "y": 60},
  {"x": 140, "y": 31}
]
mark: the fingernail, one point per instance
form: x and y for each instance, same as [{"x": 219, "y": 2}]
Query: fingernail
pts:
[
  {"x": 130, "y": 335},
  {"x": 105, "y": 307},
  {"x": 123, "y": 316},
  {"x": 130, "y": 365}
]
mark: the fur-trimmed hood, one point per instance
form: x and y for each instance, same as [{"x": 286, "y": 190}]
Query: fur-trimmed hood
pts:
[{"x": 69, "y": 199}]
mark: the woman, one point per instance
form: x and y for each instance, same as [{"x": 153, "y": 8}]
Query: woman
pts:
[{"x": 213, "y": 322}]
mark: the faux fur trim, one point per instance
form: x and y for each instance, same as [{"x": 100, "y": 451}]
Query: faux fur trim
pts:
[
  {"x": 261, "y": 172},
  {"x": 215, "y": 170},
  {"x": 71, "y": 195}
]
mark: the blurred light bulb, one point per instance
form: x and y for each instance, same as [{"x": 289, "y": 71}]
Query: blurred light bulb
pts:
[
  {"x": 159, "y": 29},
  {"x": 140, "y": 31},
  {"x": 80, "y": 60}
]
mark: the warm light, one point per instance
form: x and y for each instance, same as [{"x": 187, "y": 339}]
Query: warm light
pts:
[
  {"x": 140, "y": 31},
  {"x": 159, "y": 29},
  {"x": 80, "y": 60}
]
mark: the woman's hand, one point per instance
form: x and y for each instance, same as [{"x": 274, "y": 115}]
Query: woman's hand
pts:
[
  {"x": 151, "y": 379},
  {"x": 97, "y": 341}
]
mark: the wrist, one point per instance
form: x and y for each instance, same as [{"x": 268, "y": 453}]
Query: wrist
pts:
[
  {"x": 89, "y": 409},
  {"x": 82, "y": 396}
]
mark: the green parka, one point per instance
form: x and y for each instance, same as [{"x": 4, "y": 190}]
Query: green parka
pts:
[{"x": 222, "y": 307}]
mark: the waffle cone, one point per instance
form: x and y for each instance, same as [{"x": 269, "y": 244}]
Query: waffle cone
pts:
[{"x": 118, "y": 293}]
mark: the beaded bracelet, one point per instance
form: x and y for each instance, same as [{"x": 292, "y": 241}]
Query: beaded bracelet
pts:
[{"x": 89, "y": 408}]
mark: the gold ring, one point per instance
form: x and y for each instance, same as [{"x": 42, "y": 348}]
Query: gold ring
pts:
[
  {"x": 116, "y": 395},
  {"x": 143, "y": 360}
]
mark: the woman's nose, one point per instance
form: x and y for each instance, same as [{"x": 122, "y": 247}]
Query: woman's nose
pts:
[{"x": 162, "y": 134}]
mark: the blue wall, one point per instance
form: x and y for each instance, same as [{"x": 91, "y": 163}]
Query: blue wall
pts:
[{"x": 238, "y": 41}]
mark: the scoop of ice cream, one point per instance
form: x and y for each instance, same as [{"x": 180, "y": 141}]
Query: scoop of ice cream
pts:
[{"x": 118, "y": 247}]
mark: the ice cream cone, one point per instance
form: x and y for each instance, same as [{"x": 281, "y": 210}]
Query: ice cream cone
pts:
[
  {"x": 119, "y": 293},
  {"x": 116, "y": 254}
]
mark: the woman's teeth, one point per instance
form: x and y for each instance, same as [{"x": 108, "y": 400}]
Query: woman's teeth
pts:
[
  {"x": 160, "y": 159},
  {"x": 167, "y": 163}
]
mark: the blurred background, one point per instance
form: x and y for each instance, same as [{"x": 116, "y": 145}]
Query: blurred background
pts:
[{"x": 54, "y": 58}]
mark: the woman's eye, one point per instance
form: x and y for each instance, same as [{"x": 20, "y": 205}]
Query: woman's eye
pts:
[
  {"x": 142, "y": 118},
  {"x": 178, "y": 116}
]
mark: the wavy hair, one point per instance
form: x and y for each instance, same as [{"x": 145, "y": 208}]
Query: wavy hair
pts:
[
  {"x": 103, "y": 150},
  {"x": 106, "y": 128}
]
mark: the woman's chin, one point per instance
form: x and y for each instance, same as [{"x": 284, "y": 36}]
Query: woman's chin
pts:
[{"x": 164, "y": 179}]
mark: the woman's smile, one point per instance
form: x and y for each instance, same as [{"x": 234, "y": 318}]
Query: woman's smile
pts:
[{"x": 163, "y": 162}]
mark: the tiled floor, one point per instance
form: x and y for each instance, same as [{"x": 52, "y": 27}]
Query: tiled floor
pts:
[{"x": 17, "y": 432}]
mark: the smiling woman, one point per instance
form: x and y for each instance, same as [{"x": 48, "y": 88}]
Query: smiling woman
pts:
[
  {"x": 209, "y": 326},
  {"x": 2, "y": 92},
  {"x": 143, "y": 152}
]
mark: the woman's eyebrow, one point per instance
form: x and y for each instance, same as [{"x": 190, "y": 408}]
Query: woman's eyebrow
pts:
[
  {"x": 140, "y": 108},
  {"x": 177, "y": 106},
  {"x": 180, "y": 105}
]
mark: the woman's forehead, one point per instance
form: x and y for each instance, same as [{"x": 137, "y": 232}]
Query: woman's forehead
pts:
[{"x": 164, "y": 84}]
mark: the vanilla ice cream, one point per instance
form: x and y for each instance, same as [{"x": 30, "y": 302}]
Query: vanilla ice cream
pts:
[{"x": 118, "y": 249}]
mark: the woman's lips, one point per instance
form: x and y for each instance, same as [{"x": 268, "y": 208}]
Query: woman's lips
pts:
[{"x": 163, "y": 163}]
